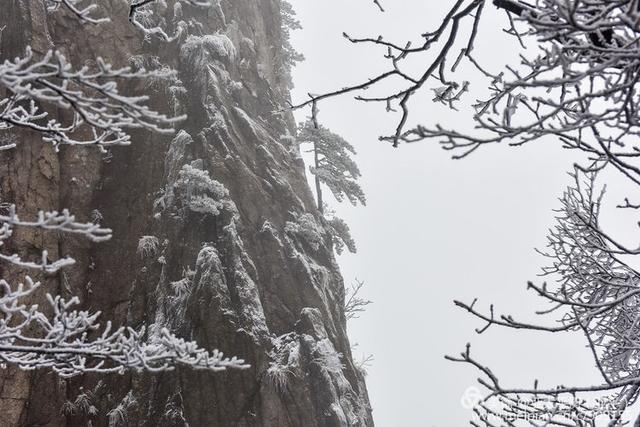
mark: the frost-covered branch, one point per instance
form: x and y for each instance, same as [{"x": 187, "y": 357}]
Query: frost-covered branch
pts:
[
  {"x": 340, "y": 234},
  {"x": 71, "y": 342},
  {"x": 553, "y": 406},
  {"x": 596, "y": 294},
  {"x": 101, "y": 115},
  {"x": 63, "y": 222},
  {"x": 354, "y": 304},
  {"x": 145, "y": 15},
  {"x": 82, "y": 9},
  {"x": 579, "y": 86},
  {"x": 48, "y": 221},
  {"x": 396, "y": 54}
]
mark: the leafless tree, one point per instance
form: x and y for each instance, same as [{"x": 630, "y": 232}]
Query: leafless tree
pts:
[
  {"x": 594, "y": 292},
  {"x": 354, "y": 304},
  {"x": 577, "y": 87}
]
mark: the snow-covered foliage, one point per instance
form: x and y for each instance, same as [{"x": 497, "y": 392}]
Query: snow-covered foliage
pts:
[
  {"x": 278, "y": 376},
  {"x": 182, "y": 288},
  {"x": 172, "y": 314},
  {"x": 92, "y": 96},
  {"x": 333, "y": 166},
  {"x": 340, "y": 234},
  {"x": 30, "y": 339},
  {"x": 197, "y": 50},
  {"x": 305, "y": 227},
  {"x": 71, "y": 341},
  {"x": 190, "y": 188},
  {"x": 174, "y": 412},
  {"x": 63, "y": 222},
  {"x": 285, "y": 362},
  {"x": 164, "y": 77},
  {"x": 146, "y": 15},
  {"x": 118, "y": 416},
  {"x": 206, "y": 59},
  {"x": 327, "y": 358},
  {"x": 148, "y": 246},
  {"x": 81, "y": 405},
  {"x": 199, "y": 193},
  {"x": 289, "y": 56},
  {"x": 292, "y": 145}
]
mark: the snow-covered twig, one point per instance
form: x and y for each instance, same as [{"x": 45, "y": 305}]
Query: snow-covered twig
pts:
[
  {"x": 54, "y": 220},
  {"x": 142, "y": 10},
  {"x": 141, "y": 14},
  {"x": 354, "y": 304},
  {"x": 84, "y": 13},
  {"x": 70, "y": 341},
  {"x": 596, "y": 293},
  {"x": 101, "y": 115},
  {"x": 48, "y": 221}
]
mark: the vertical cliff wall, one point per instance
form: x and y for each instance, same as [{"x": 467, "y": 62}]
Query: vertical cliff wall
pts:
[{"x": 216, "y": 235}]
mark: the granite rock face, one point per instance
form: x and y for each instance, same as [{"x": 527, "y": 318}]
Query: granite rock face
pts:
[{"x": 216, "y": 234}]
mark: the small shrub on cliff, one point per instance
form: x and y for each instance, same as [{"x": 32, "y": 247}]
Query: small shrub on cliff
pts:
[
  {"x": 306, "y": 228},
  {"x": 148, "y": 246},
  {"x": 340, "y": 234},
  {"x": 198, "y": 192}
]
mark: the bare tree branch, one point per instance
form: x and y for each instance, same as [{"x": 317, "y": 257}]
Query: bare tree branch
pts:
[{"x": 101, "y": 116}]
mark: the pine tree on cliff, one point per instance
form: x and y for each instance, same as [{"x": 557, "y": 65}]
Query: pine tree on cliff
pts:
[{"x": 333, "y": 165}]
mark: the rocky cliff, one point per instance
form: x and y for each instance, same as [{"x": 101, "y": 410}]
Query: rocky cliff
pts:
[{"x": 216, "y": 235}]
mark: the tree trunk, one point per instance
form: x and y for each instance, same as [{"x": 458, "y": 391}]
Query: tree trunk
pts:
[{"x": 317, "y": 180}]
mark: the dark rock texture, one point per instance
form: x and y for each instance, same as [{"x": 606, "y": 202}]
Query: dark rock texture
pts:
[{"x": 235, "y": 256}]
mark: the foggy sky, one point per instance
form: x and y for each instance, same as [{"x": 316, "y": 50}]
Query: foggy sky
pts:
[{"x": 435, "y": 229}]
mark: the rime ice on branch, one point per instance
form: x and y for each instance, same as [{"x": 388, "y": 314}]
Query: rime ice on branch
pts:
[
  {"x": 80, "y": 8},
  {"x": 579, "y": 86},
  {"x": 596, "y": 293},
  {"x": 71, "y": 341},
  {"x": 50, "y": 221},
  {"x": 101, "y": 116},
  {"x": 576, "y": 84},
  {"x": 145, "y": 15},
  {"x": 58, "y": 336}
]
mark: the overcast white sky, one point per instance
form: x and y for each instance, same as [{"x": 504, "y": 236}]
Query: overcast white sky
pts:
[{"x": 435, "y": 229}]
